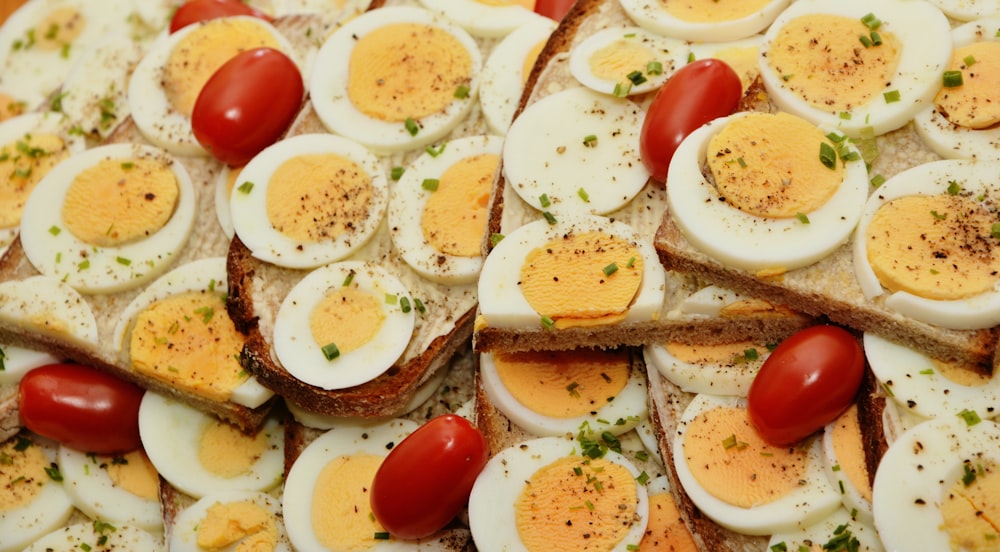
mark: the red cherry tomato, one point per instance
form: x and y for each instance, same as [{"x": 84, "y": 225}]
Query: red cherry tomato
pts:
[
  {"x": 247, "y": 104},
  {"x": 194, "y": 11},
  {"x": 805, "y": 383},
  {"x": 553, "y": 9},
  {"x": 697, "y": 93},
  {"x": 81, "y": 407},
  {"x": 426, "y": 480}
]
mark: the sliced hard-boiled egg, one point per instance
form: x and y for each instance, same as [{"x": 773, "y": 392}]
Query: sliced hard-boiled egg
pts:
[
  {"x": 343, "y": 324},
  {"x": 666, "y": 529},
  {"x": 705, "y": 20},
  {"x": 740, "y": 54},
  {"x": 967, "y": 10},
  {"x": 840, "y": 530},
  {"x": 120, "y": 490},
  {"x": 49, "y": 307},
  {"x": 225, "y": 182},
  {"x": 16, "y": 361},
  {"x": 936, "y": 486},
  {"x": 507, "y": 69},
  {"x": 205, "y": 455},
  {"x": 928, "y": 242},
  {"x": 395, "y": 79},
  {"x": 309, "y": 200},
  {"x": 489, "y": 19},
  {"x": 625, "y": 61},
  {"x": 740, "y": 481},
  {"x": 230, "y": 520},
  {"x": 579, "y": 271},
  {"x": 109, "y": 218},
  {"x": 553, "y": 393},
  {"x": 178, "y": 330},
  {"x": 723, "y": 369},
  {"x": 438, "y": 209},
  {"x": 845, "y": 464},
  {"x": 34, "y": 502},
  {"x": 97, "y": 536},
  {"x": 586, "y": 163},
  {"x": 783, "y": 193},
  {"x": 857, "y": 65},
  {"x": 543, "y": 494}
]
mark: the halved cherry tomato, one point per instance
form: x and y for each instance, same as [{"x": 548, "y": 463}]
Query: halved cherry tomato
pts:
[
  {"x": 247, "y": 104},
  {"x": 697, "y": 93},
  {"x": 82, "y": 408},
  {"x": 553, "y": 9},
  {"x": 426, "y": 480},
  {"x": 807, "y": 381},
  {"x": 194, "y": 11}
]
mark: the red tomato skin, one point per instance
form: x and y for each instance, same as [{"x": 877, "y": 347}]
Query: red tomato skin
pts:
[
  {"x": 809, "y": 380},
  {"x": 425, "y": 481},
  {"x": 553, "y": 9},
  {"x": 82, "y": 408},
  {"x": 697, "y": 93},
  {"x": 194, "y": 11},
  {"x": 247, "y": 104}
]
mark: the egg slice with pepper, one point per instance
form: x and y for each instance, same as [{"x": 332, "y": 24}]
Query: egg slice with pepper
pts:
[
  {"x": 48, "y": 307},
  {"x": 16, "y": 361},
  {"x": 395, "y": 79},
  {"x": 838, "y": 531},
  {"x": 666, "y": 527},
  {"x": 34, "y": 501},
  {"x": 97, "y": 536},
  {"x": 489, "y": 19},
  {"x": 230, "y": 520},
  {"x": 846, "y": 465},
  {"x": 722, "y": 369},
  {"x": 94, "y": 96},
  {"x": 740, "y": 54},
  {"x": 966, "y": 10},
  {"x": 507, "y": 69},
  {"x": 120, "y": 490},
  {"x": 625, "y": 61},
  {"x": 705, "y": 20}
]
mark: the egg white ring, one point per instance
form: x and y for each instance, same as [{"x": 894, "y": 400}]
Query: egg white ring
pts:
[
  {"x": 94, "y": 493},
  {"x": 501, "y": 300},
  {"x": 504, "y": 74},
  {"x": 248, "y": 208},
  {"x": 149, "y": 105},
  {"x": 542, "y": 158},
  {"x": 653, "y": 16},
  {"x": 184, "y": 533},
  {"x": 329, "y": 81},
  {"x": 825, "y": 530},
  {"x": 407, "y": 203},
  {"x": 616, "y": 416},
  {"x": 917, "y": 471},
  {"x": 498, "y": 486},
  {"x": 480, "y": 18},
  {"x": 222, "y": 211},
  {"x": 925, "y": 37},
  {"x": 17, "y": 361},
  {"x": 88, "y": 535},
  {"x": 850, "y": 495},
  {"x": 933, "y": 178},
  {"x": 671, "y": 53},
  {"x": 304, "y": 359},
  {"x": 176, "y": 457},
  {"x": 50, "y": 509},
  {"x": 967, "y": 10},
  {"x": 146, "y": 258},
  {"x": 806, "y": 504},
  {"x": 49, "y": 307},
  {"x": 707, "y": 301},
  {"x": 714, "y": 378},
  {"x": 96, "y": 90},
  {"x": 749, "y": 242},
  {"x": 347, "y": 440}
]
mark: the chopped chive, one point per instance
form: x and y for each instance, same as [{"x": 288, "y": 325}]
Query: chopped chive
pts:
[
  {"x": 968, "y": 474},
  {"x": 404, "y": 304},
  {"x": 876, "y": 38},
  {"x": 84, "y": 264},
  {"x": 349, "y": 278},
  {"x": 330, "y": 351},
  {"x": 495, "y": 238},
  {"x": 636, "y": 77},
  {"x": 995, "y": 230},
  {"x": 419, "y": 305},
  {"x": 741, "y": 162},
  {"x": 610, "y": 269},
  {"x": 434, "y": 152},
  {"x": 547, "y": 322},
  {"x": 954, "y": 187},
  {"x": 549, "y": 217},
  {"x": 55, "y": 230},
  {"x": 622, "y": 89},
  {"x": 583, "y": 195},
  {"x": 787, "y": 77},
  {"x": 430, "y": 184},
  {"x": 396, "y": 173},
  {"x": 970, "y": 417},
  {"x": 802, "y": 218},
  {"x": 462, "y": 92},
  {"x": 865, "y": 41},
  {"x": 391, "y": 299},
  {"x": 877, "y": 180},
  {"x": 54, "y": 473},
  {"x": 411, "y": 126},
  {"x": 630, "y": 263},
  {"x": 927, "y": 372},
  {"x": 245, "y": 187},
  {"x": 381, "y": 535},
  {"x": 891, "y": 96},
  {"x": 969, "y": 60},
  {"x": 827, "y": 155},
  {"x": 951, "y": 79},
  {"x": 544, "y": 201},
  {"x": 124, "y": 261},
  {"x": 572, "y": 389},
  {"x": 654, "y": 68},
  {"x": 590, "y": 140},
  {"x": 643, "y": 478},
  {"x": 871, "y": 21},
  {"x": 128, "y": 165}
]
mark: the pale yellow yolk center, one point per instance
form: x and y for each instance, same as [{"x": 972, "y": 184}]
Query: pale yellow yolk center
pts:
[
  {"x": 823, "y": 61},
  {"x": 346, "y": 317},
  {"x": 723, "y": 353},
  {"x": 969, "y": 376},
  {"x": 620, "y": 58},
  {"x": 768, "y": 165},
  {"x": 247, "y": 525},
  {"x": 22, "y": 473},
  {"x": 10, "y": 107},
  {"x": 973, "y": 104},
  {"x": 971, "y": 512},
  {"x": 59, "y": 28},
  {"x": 530, "y": 59},
  {"x": 454, "y": 217},
  {"x": 849, "y": 450},
  {"x": 189, "y": 341},
  {"x": 582, "y": 279},
  {"x": 117, "y": 202},
  {"x": 134, "y": 473},
  {"x": 318, "y": 197},
  {"x": 712, "y": 11},
  {"x": 22, "y": 165},
  {"x": 198, "y": 55},
  {"x": 563, "y": 384},
  {"x": 665, "y": 529},
  {"x": 341, "y": 503},
  {"x": 734, "y": 464},
  {"x": 406, "y": 70},
  {"x": 937, "y": 247},
  {"x": 560, "y": 509},
  {"x": 228, "y": 452}
]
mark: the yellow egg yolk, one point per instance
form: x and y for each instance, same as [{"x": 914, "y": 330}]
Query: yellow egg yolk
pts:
[
  {"x": 576, "y": 503},
  {"x": 341, "y": 504},
  {"x": 10, "y": 107},
  {"x": 712, "y": 11},
  {"x": 23, "y": 163},
  {"x": 564, "y": 384},
  {"x": 226, "y": 451},
  {"x": 134, "y": 473},
  {"x": 58, "y": 29},
  {"x": 530, "y": 59},
  {"x": 769, "y": 165},
  {"x": 937, "y": 247},
  {"x": 406, "y": 71},
  {"x": 822, "y": 60},
  {"x": 201, "y": 52},
  {"x": 849, "y": 450},
  {"x": 972, "y": 104},
  {"x": 969, "y": 376},
  {"x": 739, "y": 352},
  {"x": 189, "y": 341},
  {"x": 318, "y": 197},
  {"x": 665, "y": 529},
  {"x": 346, "y": 318},
  {"x": 970, "y": 510},
  {"x": 733, "y": 463},
  {"x": 22, "y": 473},
  {"x": 743, "y": 60},
  {"x": 116, "y": 202},
  {"x": 582, "y": 279},
  {"x": 454, "y": 217},
  {"x": 247, "y": 525},
  {"x": 617, "y": 60}
]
